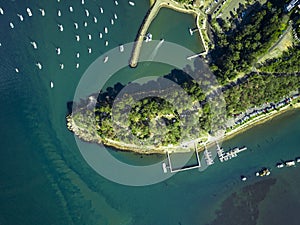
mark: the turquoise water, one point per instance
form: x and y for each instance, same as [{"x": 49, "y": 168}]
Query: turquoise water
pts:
[{"x": 43, "y": 177}]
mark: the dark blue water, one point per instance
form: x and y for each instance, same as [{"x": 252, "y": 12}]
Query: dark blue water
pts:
[{"x": 43, "y": 177}]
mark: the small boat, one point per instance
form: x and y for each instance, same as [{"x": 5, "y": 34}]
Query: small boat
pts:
[
  {"x": 58, "y": 51},
  {"x": 12, "y": 26},
  {"x": 289, "y": 163},
  {"x": 100, "y": 35},
  {"x": 29, "y": 12},
  {"x": 85, "y": 24},
  {"x": 82, "y": 2},
  {"x": 131, "y": 3},
  {"x": 121, "y": 48},
  {"x": 105, "y": 30},
  {"x": 58, "y": 13},
  {"x": 115, "y": 16},
  {"x": 95, "y": 20},
  {"x": 17, "y": 70},
  {"x": 61, "y": 66},
  {"x": 164, "y": 166},
  {"x": 20, "y": 17},
  {"x": 51, "y": 84},
  {"x": 76, "y": 25},
  {"x": 106, "y": 43},
  {"x": 105, "y": 59},
  {"x": 298, "y": 159},
  {"x": 42, "y": 12},
  {"x": 112, "y": 21},
  {"x": 71, "y": 9},
  {"x": 87, "y": 13},
  {"x": 77, "y": 65},
  {"x": 34, "y": 45},
  {"x": 90, "y": 37},
  {"x": 263, "y": 172},
  {"x": 279, "y": 165},
  {"x": 148, "y": 37},
  {"x": 77, "y": 55},
  {"x": 39, "y": 65},
  {"x": 243, "y": 178},
  {"x": 1, "y": 11},
  {"x": 60, "y": 27},
  {"x": 89, "y": 50},
  {"x": 101, "y": 10},
  {"x": 116, "y": 2},
  {"x": 77, "y": 37}
]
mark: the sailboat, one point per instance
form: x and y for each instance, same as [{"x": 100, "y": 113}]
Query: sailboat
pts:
[
  {"x": 100, "y": 35},
  {"x": 131, "y": 3},
  {"x": 39, "y": 65},
  {"x": 71, "y": 9},
  {"x": 89, "y": 37},
  {"x": 1, "y": 11},
  {"x": 89, "y": 50},
  {"x": 116, "y": 2},
  {"x": 61, "y": 28},
  {"x": 51, "y": 84},
  {"x": 105, "y": 30},
  {"x": 76, "y": 25},
  {"x": 95, "y": 20},
  {"x": 20, "y": 17},
  {"x": 58, "y": 51},
  {"x": 34, "y": 45},
  {"x": 61, "y": 66},
  {"x": 77, "y": 65},
  {"x": 112, "y": 21},
  {"x": 12, "y": 26},
  {"x": 77, "y": 37},
  {"x": 17, "y": 70},
  {"x": 115, "y": 16},
  {"x": 85, "y": 24},
  {"x": 29, "y": 12},
  {"x": 101, "y": 10},
  {"x": 42, "y": 12},
  {"x": 87, "y": 13},
  {"x": 77, "y": 55}
]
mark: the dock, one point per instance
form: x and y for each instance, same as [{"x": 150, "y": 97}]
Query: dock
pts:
[
  {"x": 225, "y": 156},
  {"x": 208, "y": 157}
]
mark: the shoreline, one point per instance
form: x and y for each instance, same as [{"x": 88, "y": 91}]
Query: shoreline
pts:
[{"x": 148, "y": 150}]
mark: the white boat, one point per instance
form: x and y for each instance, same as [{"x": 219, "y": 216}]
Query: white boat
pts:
[
  {"x": 77, "y": 55},
  {"x": 112, "y": 21},
  {"x": 89, "y": 50},
  {"x": 58, "y": 51},
  {"x": 77, "y": 37},
  {"x": 76, "y": 25},
  {"x": 105, "y": 59},
  {"x": 71, "y": 9},
  {"x": 20, "y": 17},
  {"x": 115, "y": 16},
  {"x": 61, "y": 66},
  {"x": 58, "y": 13},
  {"x": 34, "y": 45},
  {"x": 101, "y": 10},
  {"x": 1, "y": 11},
  {"x": 85, "y": 24},
  {"x": 90, "y": 37},
  {"x": 82, "y": 2},
  {"x": 17, "y": 70},
  {"x": 29, "y": 12},
  {"x": 289, "y": 163},
  {"x": 11, "y": 25},
  {"x": 121, "y": 48},
  {"x": 87, "y": 13},
  {"x": 0, "y": 44},
  {"x": 148, "y": 37},
  {"x": 42, "y": 12},
  {"x": 51, "y": 84},
  {"x": 106, "y": 43},
  {"x": 116, "y": 2},
  {"x": 131, "y": 3},
  {"x": 280, "y": 165},
  {"x": 105, "y": 30},
  {"x": 100, "y": 35},
  {"x": 95, "y": 20},
  {"x": 298, "y": 160},
  {"x": 60, "y": 27},
  {"x": 39, "y": 65},
  {"x": 77, "y": 65}
]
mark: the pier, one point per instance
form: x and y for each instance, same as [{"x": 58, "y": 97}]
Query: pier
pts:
[
  {"x": 208, "y": 157},
  {"x": 225, "y": 156}
]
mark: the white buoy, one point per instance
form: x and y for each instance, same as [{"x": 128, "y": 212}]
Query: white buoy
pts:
[
  {"x": 58, "y": 12},
  {"x": 20, "y": 17},
  {"x": 61, "y": 28},
  {"x": 100, "y": 35},
  {"x": 90, "y": 37},
  {"x": 101, "y": 10},
  {"x": 39, "y": 65},
  {"x": 116, "y": 2},
  {"x": 89, "y": 50},
  {"x": 115, "y": 16},
  {"x": 61, "y": 66},
  {"x": 71, "y": 9},
  {"x": 29, "y": 12},
  {"x": 77, "y": 37},
  {"x": 76, "y": 25},
  {"x": 58, "y": 51},
  {"x": 112, "y": 22},
  {"x": 34, "y": 45},
  {"x": 17, "y": 70},
  {"x": 77, "y": 55},
  {"x": 106, "y": 43},
  {"x": 77, "y": 65},
  {"x": 95, "y": 20},
  {"x": 87, "y": 13},
  {"x": 51, "y": 84},
  {"x": 11, "y": 25},
  {"x": 105, "y": 30},
  {"x": 85, "y": 24},
  {"x": 42, "y": 12},
  {"x": 1, "y": 11}
]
